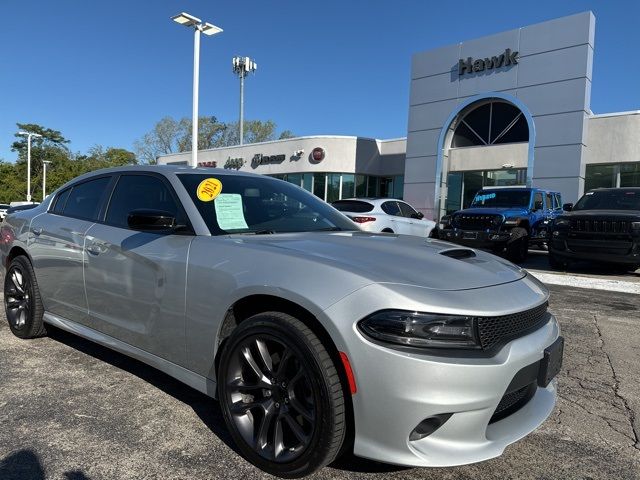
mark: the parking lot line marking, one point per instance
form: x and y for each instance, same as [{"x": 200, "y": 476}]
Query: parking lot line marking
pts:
[{"x": 587, "y": 282}]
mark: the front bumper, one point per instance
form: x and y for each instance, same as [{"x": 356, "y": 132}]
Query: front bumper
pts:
[
  {"x": 602, "y": 249},
  {"x": 475, "y": 238},
  {"x": 397, "y": 390}
]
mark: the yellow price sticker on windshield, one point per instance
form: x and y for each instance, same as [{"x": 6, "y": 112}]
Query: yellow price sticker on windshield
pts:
[{"x": 209, "y": 189}]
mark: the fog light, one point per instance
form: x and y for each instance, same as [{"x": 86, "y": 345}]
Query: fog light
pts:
[
  {"x": 556, "y": 233},
  {"x": 428, "y": 426}
]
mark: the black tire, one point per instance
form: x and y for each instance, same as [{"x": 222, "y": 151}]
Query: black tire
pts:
[
  {"x": 22, "y": 302},
  {"x": 518, "y": 245},
  {"x": 557, "y": 263},
  {"x": 295, "y": 381}
]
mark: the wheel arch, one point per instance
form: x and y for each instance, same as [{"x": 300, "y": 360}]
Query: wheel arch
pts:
[
  {"x": 16, "y": 251},
  {"x": 254, "y": 304}
]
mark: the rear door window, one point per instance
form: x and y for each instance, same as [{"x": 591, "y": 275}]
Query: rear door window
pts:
[
  {"x": 85, "y": 199},
  {"x": 60, "y": 201},
  {"x": 391, "y": 208},
  {"x": 355, "y": 206}
]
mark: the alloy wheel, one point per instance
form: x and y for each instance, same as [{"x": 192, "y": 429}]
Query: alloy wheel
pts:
[
  {"x": 17, "y": 299},
  {"x": 270, "y": 397}
]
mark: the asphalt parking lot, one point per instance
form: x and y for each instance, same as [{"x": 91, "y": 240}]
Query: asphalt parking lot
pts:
[{"x": 70, "y": 409}]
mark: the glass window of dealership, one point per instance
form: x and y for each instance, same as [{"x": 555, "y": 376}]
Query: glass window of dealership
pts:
[{"x": 336, "y": 186}]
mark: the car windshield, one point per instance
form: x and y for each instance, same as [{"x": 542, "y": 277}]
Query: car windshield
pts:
[
  {"x": 609, "y": 200},
  {"x": 259, "y": 205},
  {"x": 501, "y": 199}
]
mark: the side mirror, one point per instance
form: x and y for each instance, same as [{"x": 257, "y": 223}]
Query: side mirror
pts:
[
  {"x": 567, "y": 207},
  {"x": 418, "y": 215},
  {"x": 150, "y": 220},
  {"x": 537, "y": 206}
]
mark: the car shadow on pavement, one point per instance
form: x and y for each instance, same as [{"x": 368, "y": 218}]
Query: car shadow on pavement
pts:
[
  {"x": 538, "y": 260},
  {"x": 25, "y": 464},
  {"x": 348, "y": 462},
  {"x": 206, "y": 408}
]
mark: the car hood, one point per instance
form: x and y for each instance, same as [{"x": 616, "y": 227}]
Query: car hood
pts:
[
  {"x": 388, "y": 258},
  {"x": 622, "y": 214},
  {"x": 507, "y": 212}
]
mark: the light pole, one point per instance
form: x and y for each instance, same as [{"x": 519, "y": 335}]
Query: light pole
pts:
[
  {"x": 44, "y": 178},
  {"x": 241, "y": 67},
  {"x": 29, "y": 135},
  {"x": 208, "y": 29}
]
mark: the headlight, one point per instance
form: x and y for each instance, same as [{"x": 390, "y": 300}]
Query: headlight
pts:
[
  {"x": 421, "y": 329},
  {"x": 561, "y": 222},
  {"x": 497, "y": 220},
  {"x": 635, "y": 225},
  {"x": 512, "y": 222}
]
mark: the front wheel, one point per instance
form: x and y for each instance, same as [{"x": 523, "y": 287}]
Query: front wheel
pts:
[
  {"x": 281, "y": 396},
  {"x": 556, "y": 263},
  {"x": 518, "y": 245},
  {"x": 22, "y": 302}
]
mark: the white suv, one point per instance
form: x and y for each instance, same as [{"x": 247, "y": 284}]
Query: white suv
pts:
[
  {"x": 3, "y": 211},
  {"x": 385, "y": 215}
]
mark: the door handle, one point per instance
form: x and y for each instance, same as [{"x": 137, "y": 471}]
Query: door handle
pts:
[
  {"x": 96, "y": 248},
  {"x": 37, "y": 231}
]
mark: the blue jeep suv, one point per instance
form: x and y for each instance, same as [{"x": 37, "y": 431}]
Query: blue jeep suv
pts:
[{"x": 503, "y": 217}]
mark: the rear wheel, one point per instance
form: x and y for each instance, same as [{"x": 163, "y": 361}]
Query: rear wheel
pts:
[
  {"x": 281, "y": 396},
  {"x": 518, "y": 245},
  {"x": 22, "y": 302}
]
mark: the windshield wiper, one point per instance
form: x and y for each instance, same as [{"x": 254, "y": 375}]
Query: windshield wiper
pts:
[
  {"x": 328, "y": 229},
  {"x": 259, "y": 232}
]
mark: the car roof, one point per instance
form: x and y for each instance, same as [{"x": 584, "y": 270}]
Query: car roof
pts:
[
  {"x": 613, "y": 189},
  {"x": 374, "y": 200},
  {"x": 163, "y": 169},
  {"x": 530, "y": 189}
]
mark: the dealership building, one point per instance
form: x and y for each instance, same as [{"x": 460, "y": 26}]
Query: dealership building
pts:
[{"x": 508, "y": 109}]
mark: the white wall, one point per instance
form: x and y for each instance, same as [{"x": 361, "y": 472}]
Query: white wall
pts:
[{"x": 614, "y": 138}]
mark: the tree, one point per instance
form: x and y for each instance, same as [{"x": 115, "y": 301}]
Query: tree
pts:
[
  {"x": 286, "y": 134},
  {"x": 51, "y": 145},
  {"x": 171, "y": 136},
  {"x": 210, "y": 133},
  {"x": 49, "y": 138},
  {"x": 64, "y": 164},
  {"x": 161, "y": 140}
]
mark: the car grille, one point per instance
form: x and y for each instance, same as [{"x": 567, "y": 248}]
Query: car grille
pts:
[
  {"x": 600, "y": 225},
  {"x": 475, "y": 222},
  {"x": 610, "y": 247},
  {"x": 496, "y": 330},
  {"x": 513, "y": 401}
]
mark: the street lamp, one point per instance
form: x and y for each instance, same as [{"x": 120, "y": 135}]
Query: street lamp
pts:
[
  {"x": 241, "y": 67},
  {"x": 208, "y": 29},
  {"x": 44, "y": 178},
  {"x": 29, "y": 135}
]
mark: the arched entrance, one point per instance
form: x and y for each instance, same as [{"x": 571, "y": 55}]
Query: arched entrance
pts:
[{"x": 487, "y": 135}]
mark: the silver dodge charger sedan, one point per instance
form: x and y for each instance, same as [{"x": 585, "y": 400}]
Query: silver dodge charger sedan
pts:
[{"x": 316, "y": 338}]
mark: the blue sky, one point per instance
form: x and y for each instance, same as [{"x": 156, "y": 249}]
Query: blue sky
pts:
[{"x": 103, "y": 72}]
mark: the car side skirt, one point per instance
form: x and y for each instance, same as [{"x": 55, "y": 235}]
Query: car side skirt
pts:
[{"x": 193, "y": 380}]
